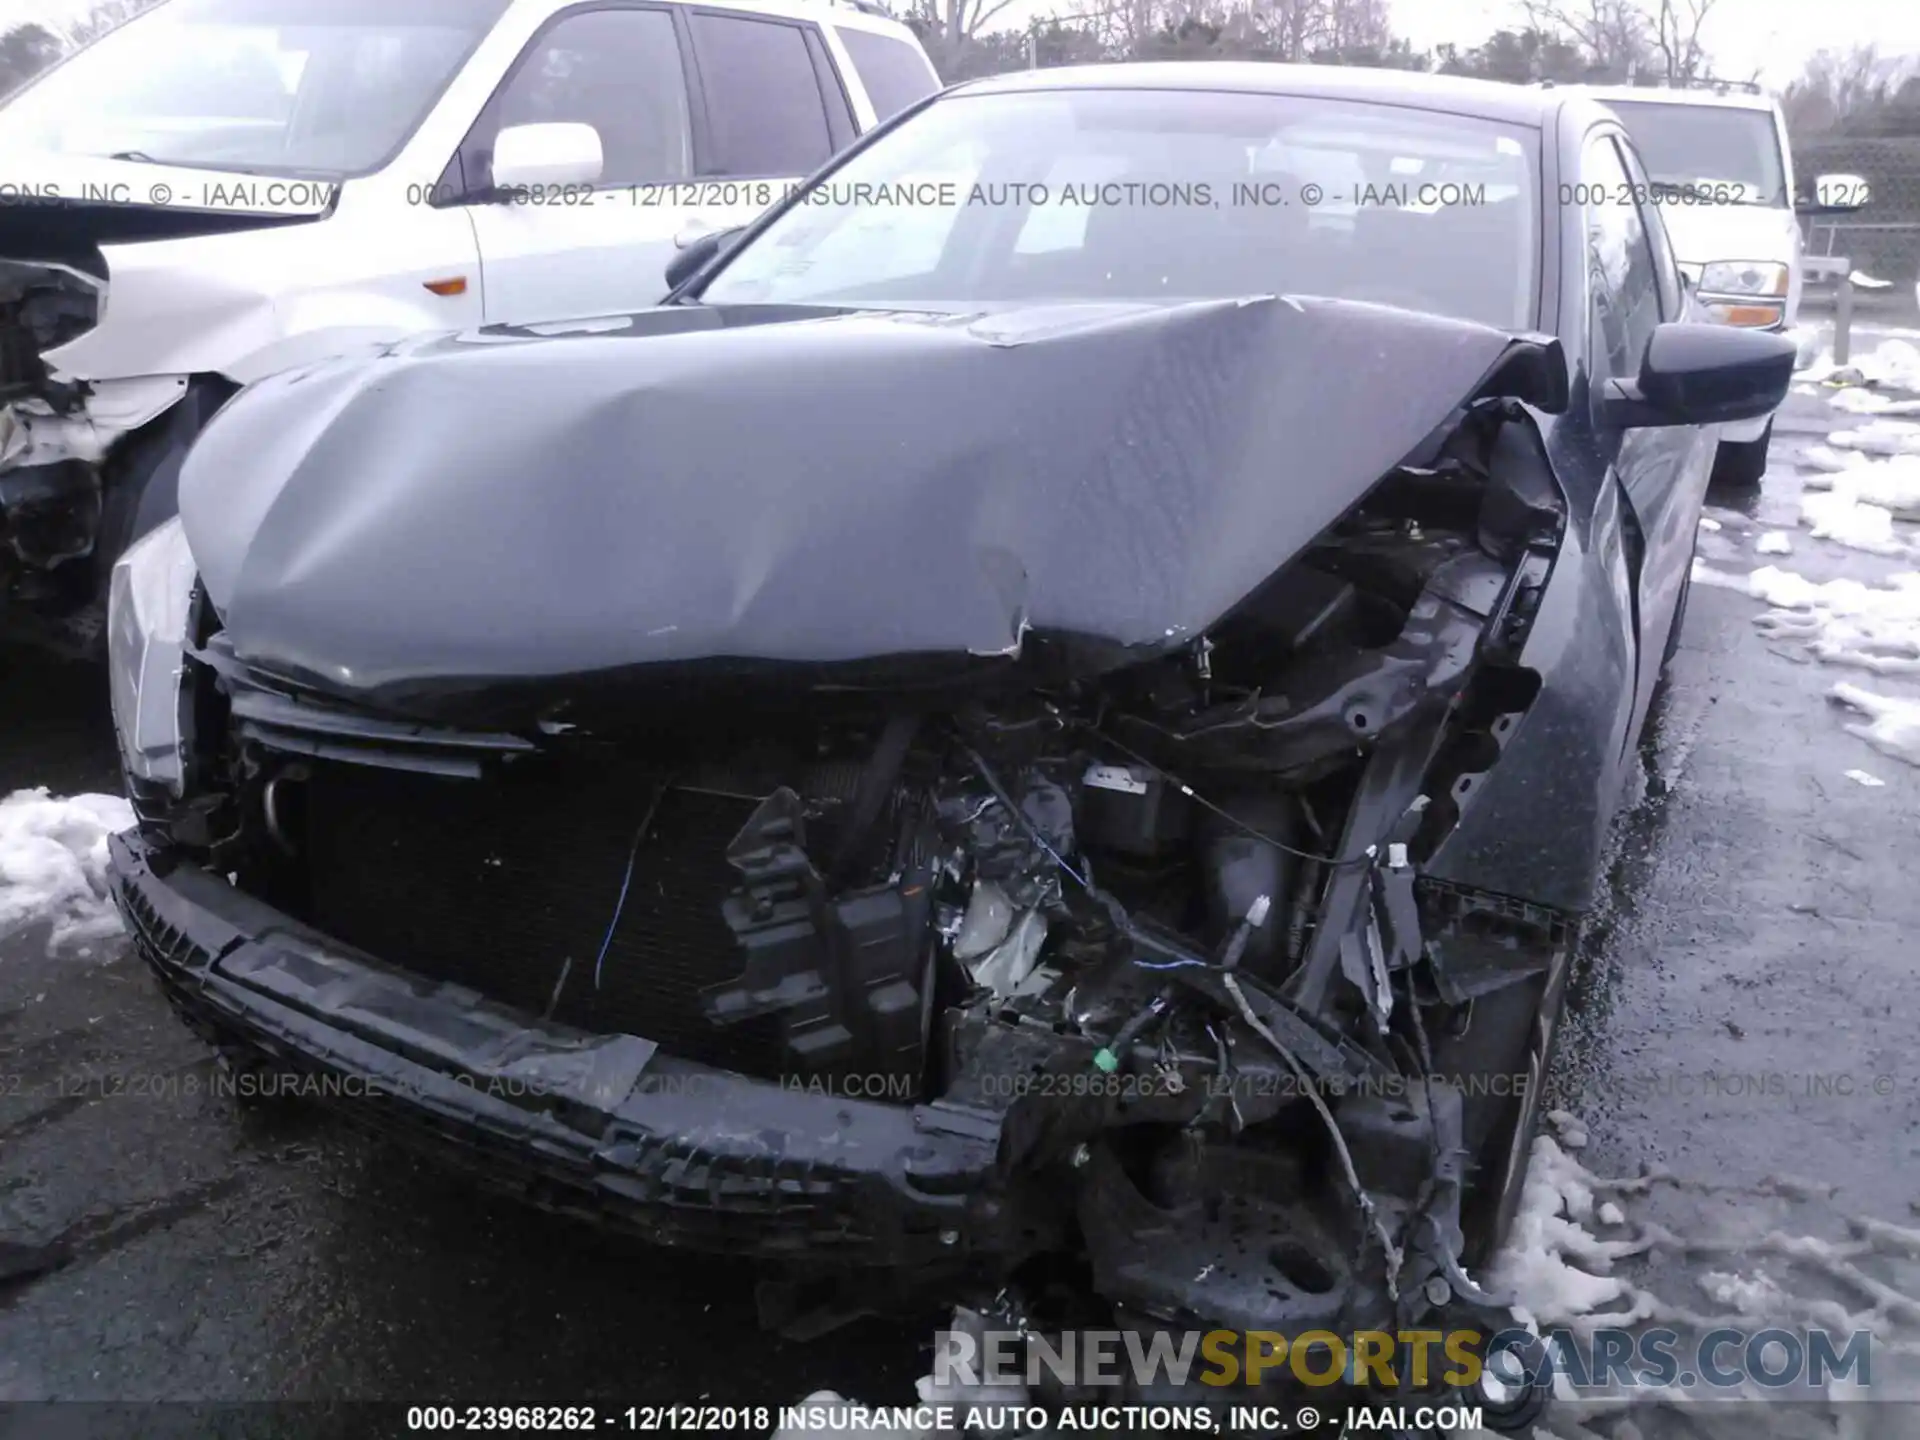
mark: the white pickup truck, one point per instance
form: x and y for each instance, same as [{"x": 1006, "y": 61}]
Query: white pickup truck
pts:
[{"x": 221, "y": 189}]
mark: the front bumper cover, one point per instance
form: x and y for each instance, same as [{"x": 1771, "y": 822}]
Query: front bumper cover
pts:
[{"x": 599, "y": 1125}]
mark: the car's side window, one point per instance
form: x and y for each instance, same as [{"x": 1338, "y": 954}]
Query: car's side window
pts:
[
  {"x": 616, "y": 70},
  {"x": 1666, "y": 269},
  {"x": 894, "y": 73},
  {"x": 764, "y": 104},
  {"x": 1622, "y": 290}
]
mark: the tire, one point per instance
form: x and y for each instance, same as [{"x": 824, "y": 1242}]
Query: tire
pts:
[{"x": 1740, "y": 464}]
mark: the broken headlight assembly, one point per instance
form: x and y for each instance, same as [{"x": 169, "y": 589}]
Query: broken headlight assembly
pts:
[{"x": 147, "y": 612}]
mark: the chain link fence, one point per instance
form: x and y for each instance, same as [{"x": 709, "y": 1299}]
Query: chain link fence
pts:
[{"x": 1882, "y": 240}]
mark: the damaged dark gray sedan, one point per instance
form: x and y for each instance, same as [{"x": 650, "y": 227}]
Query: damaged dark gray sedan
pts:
[{"x": 1046, "y": 726}]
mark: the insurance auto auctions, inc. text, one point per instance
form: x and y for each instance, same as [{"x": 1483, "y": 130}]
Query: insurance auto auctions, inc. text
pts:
[{"x": 818, "y": 1418}]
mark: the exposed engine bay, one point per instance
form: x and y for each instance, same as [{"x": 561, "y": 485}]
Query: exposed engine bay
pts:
[{"x": 1157, "y": 931}]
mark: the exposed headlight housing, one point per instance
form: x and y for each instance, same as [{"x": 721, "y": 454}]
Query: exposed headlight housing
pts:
[
  {"x": 147, "y": 608},
  {"x": 1744, "y": 277}
]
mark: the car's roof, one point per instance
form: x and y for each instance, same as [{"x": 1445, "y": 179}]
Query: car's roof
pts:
[
  {"x": 844, "y": 15},
  {"x": 1729, "y": 99},
  {"x": 1454, "y": 94}
]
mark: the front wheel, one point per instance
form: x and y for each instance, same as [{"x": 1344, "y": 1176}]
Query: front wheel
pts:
[{"x": 1740, "y": 464}]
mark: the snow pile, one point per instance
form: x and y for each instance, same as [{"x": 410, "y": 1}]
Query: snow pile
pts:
[
  {"x": 1774, "y": 542},
  {"x": 1882, "y": 436},
  {"x": 1893, "y": 483},
  {"x": 1841, "y": 622},
  {"x": 1858, "y": 400},
  {"x": 1893, "y": 363},
  {"x": 1892, "y": 725},
  {"x": 1840, "y": 516},
  {"x": 53, "y": 864},
  {"x": 1552, "y": 1267}
]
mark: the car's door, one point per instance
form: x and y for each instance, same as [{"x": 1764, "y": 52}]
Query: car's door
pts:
[
  {"x": 703, "y": 116},
  {"x": 1654, "y": 468},
  {"x": 775, "y": 110},
  {"x": 1672, "y": 513}
]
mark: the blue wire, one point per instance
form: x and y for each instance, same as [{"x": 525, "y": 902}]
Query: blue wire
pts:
[{"x": 620, "y": 904}]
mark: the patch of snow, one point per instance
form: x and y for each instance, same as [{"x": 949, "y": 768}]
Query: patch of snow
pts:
[
  {"x": 1573, "y": 1133},
  {"x": 1892, "y": 483},
  {"x": 1611, "y": 1214},
  {"x": 1858, "y": 400},
  {"x": 1866, "y": 778},
  {"x": 1880, "y": 437},
  {"x": 1552, "y": 1268},
  {"x": 1774, "y": 542},
  {"x": 1861, "y": 401},
  {"x": 1892, "y": 726},
  {"x": 1840, "y": 622},
  {"x": 1840, "y": 516},
  {"x": 1705, "y": 574},
  {"x": 53, "y": 865},
  {"x": 1758, "y": 1296},
  {"x": 1825, "y": 458},
  {"x": 1707, "y": 522},
  {"x": 1894, "y": 363}
]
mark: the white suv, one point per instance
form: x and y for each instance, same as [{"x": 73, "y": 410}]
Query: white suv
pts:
[
  {"x": 1722, "y": 172},
  {"x": 221, "y": 189}
]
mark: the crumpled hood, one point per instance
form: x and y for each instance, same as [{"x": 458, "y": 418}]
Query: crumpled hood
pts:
[{"x": 814, "y": 486}]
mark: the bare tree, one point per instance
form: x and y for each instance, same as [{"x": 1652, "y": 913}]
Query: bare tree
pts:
[
  {"x": 1616, "y": 36},
  {"x": 1836, "y": 89},
  {"x": 1677, "y": 33},
  {"x": 955, "y": 21},
  {"x": 25, "y": 50},
  {"x": 103, "y": 16}
]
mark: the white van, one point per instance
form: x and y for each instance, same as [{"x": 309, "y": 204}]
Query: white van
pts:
[
  {"x": 1722, "y": 171},
  {"x": 221, "y": 189}
]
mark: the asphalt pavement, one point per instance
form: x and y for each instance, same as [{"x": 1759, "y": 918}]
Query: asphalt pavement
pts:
[{"x": 168, "y": 1243}]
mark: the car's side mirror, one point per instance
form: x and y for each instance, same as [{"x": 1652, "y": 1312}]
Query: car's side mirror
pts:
[
  {"x": 557, "y": 153},
  {"x": 1700, "y": 374},
  {"x": 1837, "y": 195},
  {"x": 697, "y": 253}
]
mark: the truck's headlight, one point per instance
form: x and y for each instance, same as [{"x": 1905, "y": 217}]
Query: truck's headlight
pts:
[
  {"x": 146, "y": 637},
  {"x": 1743, "y": 277}
]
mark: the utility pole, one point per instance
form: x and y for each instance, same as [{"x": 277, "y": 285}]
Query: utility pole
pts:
[{"x": 1033, "y": 44}]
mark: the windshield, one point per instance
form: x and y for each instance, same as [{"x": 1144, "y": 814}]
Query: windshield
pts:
[
  {"x": 320, "y": 88},
  {"x": 1727, "y": 154},
  {"x": 1162, "y": 194}
]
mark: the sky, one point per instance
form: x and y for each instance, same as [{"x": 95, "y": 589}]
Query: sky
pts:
[{"x": 1773, "y": 37}]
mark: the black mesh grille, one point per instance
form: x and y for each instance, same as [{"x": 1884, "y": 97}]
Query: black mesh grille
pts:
[{"x": 496, "y": 884}]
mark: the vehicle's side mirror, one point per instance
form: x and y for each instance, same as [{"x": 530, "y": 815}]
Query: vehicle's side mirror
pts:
[
  {"x": 1698, "y": 374},
  {"x": 697, "y": 253},
  {"x": 558, "y": 153},
  {"x": 1837, "y": 195}
]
